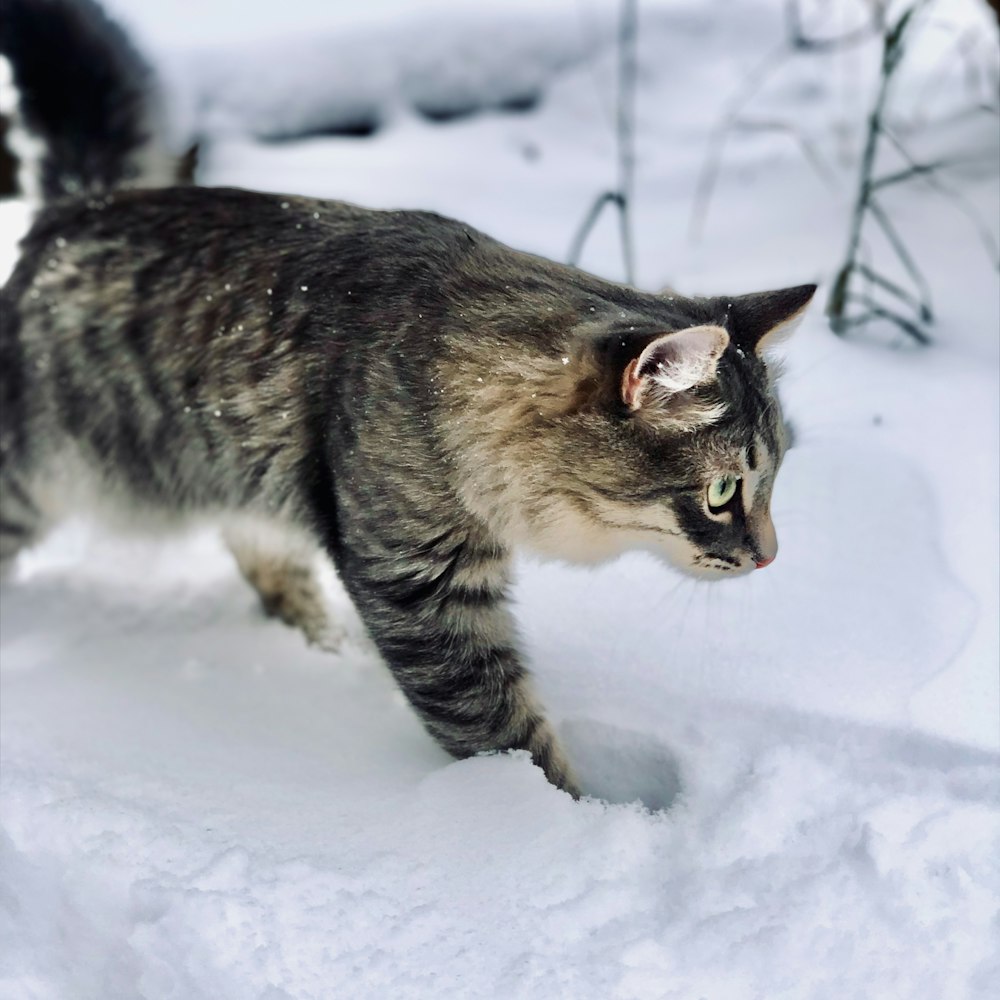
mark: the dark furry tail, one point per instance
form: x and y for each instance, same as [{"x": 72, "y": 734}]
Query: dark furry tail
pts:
[{"x": 85, "y": 98}]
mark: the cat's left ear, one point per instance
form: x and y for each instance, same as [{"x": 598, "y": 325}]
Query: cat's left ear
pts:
[
  {"x": 762, "y": 319},
  {"x": 673, "y": 363}
]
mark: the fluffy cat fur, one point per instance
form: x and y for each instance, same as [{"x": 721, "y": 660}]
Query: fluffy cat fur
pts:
[{"x": 394, "y": 389}]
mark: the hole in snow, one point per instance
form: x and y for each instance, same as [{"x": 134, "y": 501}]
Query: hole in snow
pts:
[{"x": 621, "y": 765}]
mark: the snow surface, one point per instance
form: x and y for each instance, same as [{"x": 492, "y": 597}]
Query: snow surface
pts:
[{"x": 794, "y": 776}]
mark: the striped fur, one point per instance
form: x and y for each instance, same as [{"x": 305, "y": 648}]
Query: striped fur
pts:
[{"x": 393, "y": 389}]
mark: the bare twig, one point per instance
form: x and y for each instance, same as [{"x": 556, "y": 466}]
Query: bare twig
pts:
[
  {"x": 621, "y": 197},
  {"x": 905, "y": 258},
  {"x": 808, "y": 147},
  {"x": 891, "y": 287},
  {"x": 796, "y": 42},
  {"x": 709, "y": 172},
  {"x": 878, "y": 311},
  {"x": 865, "y": 204},
  {"x": 929, "y": 175},
  {"x": 589, "y": 221},
  {"x": 628, "y": 71},
  {"x": 919, "y": 169},
  {"x": 961, "y": 50}
]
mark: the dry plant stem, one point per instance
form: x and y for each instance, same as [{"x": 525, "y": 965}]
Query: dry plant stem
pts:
[
  {"x": 717, "y": 139},
  {"x": 880, "y": 215},
  {"x": 928, "y": 172},
  {"x": 892, "y": 54},
  {"x": 627, "y": 74},
  {"x": 589, "y": 221},
  {"x": 915, "y": 171},
  {"x": 796, "y": 42},
  {"x": 879, "y": 312},
  {"x": 889, "y": 286},
  {"x": 808, "y": 147},
  {"x": 963, "y": 49},
  {"x": 621, "y": 197}
]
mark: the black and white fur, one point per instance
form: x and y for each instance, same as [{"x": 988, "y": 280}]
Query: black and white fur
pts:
[{"x": 87, "y": 111}]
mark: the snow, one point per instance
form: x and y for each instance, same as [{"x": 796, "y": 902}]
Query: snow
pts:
[{"x": 794, "y": 777}]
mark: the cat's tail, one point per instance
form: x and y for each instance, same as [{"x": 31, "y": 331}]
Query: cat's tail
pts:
[{"x": 84, "y": 105}]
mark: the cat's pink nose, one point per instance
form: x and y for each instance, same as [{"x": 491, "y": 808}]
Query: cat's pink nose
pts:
[{"x": 765, "y": 562}]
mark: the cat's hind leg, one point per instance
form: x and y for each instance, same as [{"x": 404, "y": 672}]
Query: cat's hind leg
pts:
[{"x": 281, "y": 566}]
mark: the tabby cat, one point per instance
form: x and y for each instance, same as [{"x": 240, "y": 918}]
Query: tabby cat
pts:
[{"x": 392, "y": 388}]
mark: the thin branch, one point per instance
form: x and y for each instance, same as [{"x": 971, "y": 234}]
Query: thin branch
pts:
[
  {"x": 905, "y": 258},
  {"x": 877, "y": 311},
  {"x": 796, "y": 42},
  {"x": 966, "y": 44},
  {"x": 713, "y": 159},
  {"x": 837, "y": 302},
  {"x": 889, "y": 286},
  {"x": 709, "y": 172},
  {"x": 589, "y": 221},
  {"x": 809, "y": 149},
  {"x": 957, "y": 199},
  {"x": 919, "y": 169},
  {"x": 865, "y": 203},
  {"x": 628, "y": 71},
  {"x": 851, "y": 321},
  {"x": 621, "y": 198}
]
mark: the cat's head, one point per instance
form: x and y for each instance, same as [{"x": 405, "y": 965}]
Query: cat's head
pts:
[{"x": 658, "y": 428}]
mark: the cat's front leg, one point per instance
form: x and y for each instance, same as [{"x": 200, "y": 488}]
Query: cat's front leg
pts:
[{"x": 437, "y": 609}]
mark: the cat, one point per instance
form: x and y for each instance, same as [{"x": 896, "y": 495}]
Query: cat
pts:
[{"x": 391, "y": 388}]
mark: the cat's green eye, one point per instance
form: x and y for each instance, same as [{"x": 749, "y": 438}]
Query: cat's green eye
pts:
[{"x": 721, "y": 491}]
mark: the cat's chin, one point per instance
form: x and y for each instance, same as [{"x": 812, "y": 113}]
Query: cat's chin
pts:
[
  {"x": 599, "y": 548},
  {"x": 684, "y": 558},
  {"x": 715, "y": 571},
  {"x": 596, "y": 548}
]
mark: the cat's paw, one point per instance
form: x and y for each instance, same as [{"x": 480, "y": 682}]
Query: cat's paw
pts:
[{"x": 327, "y": 635}]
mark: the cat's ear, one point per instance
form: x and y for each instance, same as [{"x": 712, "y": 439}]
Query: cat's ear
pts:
[
  {"x": 763, "y": 319},
  {"x": 673, "y": 363}
]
